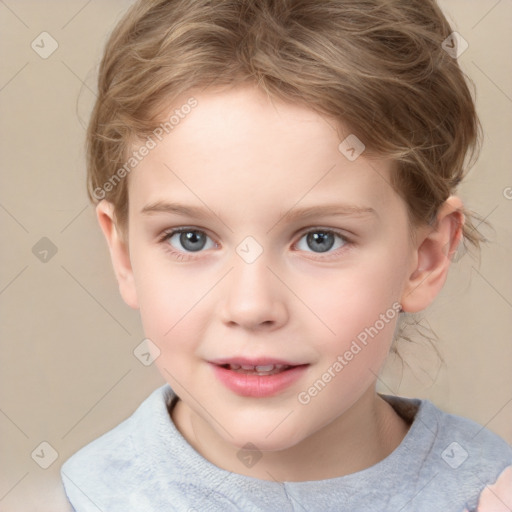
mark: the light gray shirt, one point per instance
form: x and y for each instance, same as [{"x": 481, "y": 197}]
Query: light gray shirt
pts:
[{"x": 144, "y": 464}]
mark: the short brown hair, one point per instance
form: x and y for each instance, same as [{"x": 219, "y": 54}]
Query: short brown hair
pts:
[{"x": 376, "y": 65}]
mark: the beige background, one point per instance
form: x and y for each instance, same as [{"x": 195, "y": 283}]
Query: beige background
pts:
[{"x": 68, "y": 372}]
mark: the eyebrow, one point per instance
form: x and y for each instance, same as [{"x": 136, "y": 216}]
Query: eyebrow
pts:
[
  {"x": 325, "y": 210},
  {"x": 177, "y": 209},
  {"x": 291, "y": 215}
]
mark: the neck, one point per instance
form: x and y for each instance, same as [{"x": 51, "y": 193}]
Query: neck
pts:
[{"x": 363, "y": 436}]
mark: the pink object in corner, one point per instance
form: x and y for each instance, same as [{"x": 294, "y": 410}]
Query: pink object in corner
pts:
[{"x": 498, "y": 496}]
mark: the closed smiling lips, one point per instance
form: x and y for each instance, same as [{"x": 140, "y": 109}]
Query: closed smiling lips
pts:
[{"x": 257, "y": 377}]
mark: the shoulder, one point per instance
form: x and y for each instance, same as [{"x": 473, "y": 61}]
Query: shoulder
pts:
[
  {"x": 465, "y": 441},
  {"x": 458, "y": 457},
  {"x": 467, "y": 444},
  {"x": 472, "y": 456},
  {"x": 120, "y": 456}
]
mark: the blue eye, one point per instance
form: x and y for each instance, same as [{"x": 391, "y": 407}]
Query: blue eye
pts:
[
  {"x": 320, "y": 241},
  {"x": 184, "y": 242},
  {"x": 191, "y": 240}
]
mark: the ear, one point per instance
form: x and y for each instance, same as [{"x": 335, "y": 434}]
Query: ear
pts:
[
  {"x": 433, "y": 253},
  {"x": 118, "y": 252}
]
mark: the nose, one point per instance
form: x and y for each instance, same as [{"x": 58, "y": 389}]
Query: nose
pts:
[{"x": 253, "y": 297}]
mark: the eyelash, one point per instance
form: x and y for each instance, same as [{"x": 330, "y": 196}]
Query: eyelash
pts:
[{"x": 186, "y": 256}]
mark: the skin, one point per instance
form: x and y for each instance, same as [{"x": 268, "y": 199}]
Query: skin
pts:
[
  {"x": 250, "y": 160},
  {"x": 498, "y": 496}
]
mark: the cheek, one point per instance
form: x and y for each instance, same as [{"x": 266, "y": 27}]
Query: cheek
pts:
[
  {"x": 171, "y": 313},
  {"x": 351, "y": 299},
  {"x": 359, "y": 309},
  {"x": 362, "y": 314},
  {"x": 168, "y": 297}
]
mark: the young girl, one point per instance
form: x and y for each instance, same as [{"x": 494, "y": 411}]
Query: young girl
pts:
[{"x": 311, "y": 152}]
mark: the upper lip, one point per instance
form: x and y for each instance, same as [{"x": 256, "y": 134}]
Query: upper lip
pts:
[{"x": 247, "y": 361}]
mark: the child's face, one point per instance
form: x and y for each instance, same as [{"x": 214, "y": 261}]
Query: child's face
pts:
[{"x": 247, "y": 164}]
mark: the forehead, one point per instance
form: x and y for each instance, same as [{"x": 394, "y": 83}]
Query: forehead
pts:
[
  {"x": 239, "y": 144},
  {"x": 242, "y": 122}
]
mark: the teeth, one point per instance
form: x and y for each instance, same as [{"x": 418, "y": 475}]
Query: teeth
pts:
[
  {"x": 266, "y": 368},
  {"x": 261, "y": 369}
]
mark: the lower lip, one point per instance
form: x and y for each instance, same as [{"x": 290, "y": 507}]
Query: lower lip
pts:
[{"x": 258, "y": 385}]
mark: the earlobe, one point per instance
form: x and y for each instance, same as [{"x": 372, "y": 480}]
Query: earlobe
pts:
[
  {"x": 435, "y": 247},
  {"x": 119, "y": 253}
]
